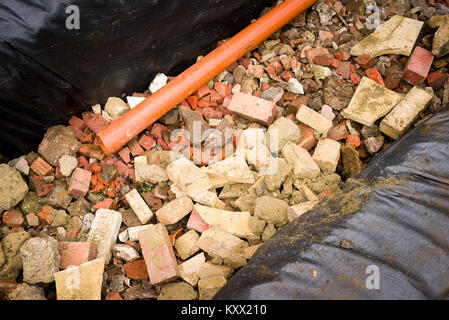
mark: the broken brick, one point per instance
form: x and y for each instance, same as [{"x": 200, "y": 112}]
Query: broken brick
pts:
[
  {"x": 353, "y": 140},
  {"x": 42, "y": 189},
  {"x": 97, "y": 123},
  {"x": 41, "y": 167},
  {"x": 47, "y": 214},
  {"x": 136, "y": 270},
  {"x": 418, "y": 66},
  {"x": 76, "y": 253},
  {"x": 196, "y": 222},
  {"x": 374, "y": 75},
  {"x": 147, "y": 142},
  {"x": 253, "y": 108},
  {"x": 79, "y": 183},
  {"x": 13, "y": 219},
  {"x": 365, "y": 61}
]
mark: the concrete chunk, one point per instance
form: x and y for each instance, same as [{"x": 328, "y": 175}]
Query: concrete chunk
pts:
[
  {"x": 298, "y": 210},
  {"x": 281, "y": 131},
  {"x": 233, "y": 168},
  {"x": 240, "y": 224},
  {"x": 190, "y": 269},
  {"x": 208, "y": 287},
  {"x": 271, "y": 210},
  {"x": 395, "y": 36},
  {"x": 133, "y": 232},
  {"x": 300, "y": 160},
  {"x": 219, "y": 243},
  {"x": 208, "y": 269},
  {"x": 370, "y": 102},
  {"x": 396, "y": 123},
  {"x": 104, "y": 231},
  {"x": 82, "y": 282},
  {"x": 139, "y": 206},
  {"x": 158, "y": 254},
  {"x": 313, "y": 119},
  {"x": 188, "y": 176},
  {"x": 327, "y": 154},
  {"x": 209, "y": 198},
  {"x": 175, "y": 210},
  {"x": 186, "y": 246}
]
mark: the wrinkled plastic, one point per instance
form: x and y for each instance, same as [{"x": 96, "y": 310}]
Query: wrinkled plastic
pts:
[
  {"x": 396, "y": 214},
  {"x": 49, "y": 73}
]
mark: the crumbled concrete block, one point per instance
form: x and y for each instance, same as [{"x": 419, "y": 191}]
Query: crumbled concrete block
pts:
[
  {"x": 12, "y": 187},
  {"x": 209, "y": 198},
  {"x": 208, "y": 287},
  {"x": 175, "y": 210},
  {"x": 20, "y": 164},
  {"x": 298, "y": 210},
  {"x": 104, "y": 231},
  {"x": 67, "y": 164},
  {"x": 134, "y": 101},
  {"x": 246, "y": 202},
  {"x": 186, "y": 246},
  {"x": 313, "y": 119},
  {"x": 148, "y": 172},
  {"x": 240, "y": 224},
  {"x": 281, "y": 131},
  {"x": 57, "y": 141},
  {"x": 40, "y": 257},
  {"x": 271, "y": 210},
  {"x": 82, "y": 282},
  {"x": 116, "y": 107},
  {"x": 11, "y": 245},
  {"x": 158, "y": 82},
  {"x": 133, "y": 232},
  {"x": 418, "y": 66},
  {"x": 249, "y": 252},
  {"x": 396, "y": 123},
  {"x": 233, "y": 168},
  {"x": 24, "y": 291},
  {"x": 190, "y": 269},
  {"x": 79, "y": 182},
  {"x": 233, "y": 190},
  {"x": 188, "y": 176},
  {"x": 440, "y": 44},
  {"x": 253, "y": 108},
  {"x": 125, "y": 252},
  {"x": 327, "y": 154},
  {"x": 208, "y": 269},
  {"x": 219, "y": 243},
  {"x": 281, "y": 170},
  {"x": 76, "y": 253},
  {"x": 251, "y": 138},
  {"x": 158, "y": 254},
  {"x": 301, "y": 161},
  {"x": 177, "y": 291},
  {"x": 370, "y": 102},
  {"x": 139, "y": 206},
  {"x": 396, "y": 36}
]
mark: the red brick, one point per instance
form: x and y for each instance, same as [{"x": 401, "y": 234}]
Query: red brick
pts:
[
  {"x": 42, "y": 189},
  {"x": 245, "y": 62},
  {"x": 47, "y": 214},
  {"x": 91, "y": 151},
  {"x": 136, "y": 270},
  {"x": 355, "y": 79},
  {"x": 78, "y": 123},
  {"x": 113, "y": 296},
  {"x": 158, "y": 254},
  {"x": 221, "y": 88},
  {"x": 7, "y": 285},
  {"x": 436, "y": 79},
  {"x": 13, "y": 219},
  {"x": 97, "y": 123},
  {"x": 338, "y": 132},
  {"x": 147, "y": 142},
  {"x": 253, "y": 108},
  {"x": 324, "y": 194},
  {"x": 79, "y": 183},
  {"x": 344, "y": 69},
  {"x": 41, "y": 167},
  {"x": 157, "y": 129},
  {"x": 107, "y": 203},
  {"x": 135, "y": 148},
  {"x": 374, "y": 75},
  {"x": 73, "y": 233},
  {"x": 124, "y": 154},
  {"x": 196, "y": 222},
  {"x": 353, "y": 140},
  {"x": 153, "y": 202},
  {"x": 418, "y": 66},
  {"x": 393, "y": 79},
  {"x": 209, "y": 113},
  {"x": 324, "y": 60},
  {"x": 365, "y": 61},
  {"x": 76, "y": 253},
  {"x": 307, "y": 139},
  {"x": 314, "y": 52}
]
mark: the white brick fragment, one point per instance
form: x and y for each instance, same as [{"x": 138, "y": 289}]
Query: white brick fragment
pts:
[{"x": 139, "y": 206}]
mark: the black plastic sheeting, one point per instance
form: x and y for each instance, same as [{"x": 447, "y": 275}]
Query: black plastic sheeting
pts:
[
  {"x": 49, "y": 73},
  {"x": 396, "y": 214}
]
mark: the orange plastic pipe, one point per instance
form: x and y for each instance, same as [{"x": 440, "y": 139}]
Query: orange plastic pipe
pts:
[{"x": 122, "y": 130}]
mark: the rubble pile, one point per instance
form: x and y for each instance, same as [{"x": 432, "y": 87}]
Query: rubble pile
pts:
[{"x": 181, "y": 207}]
